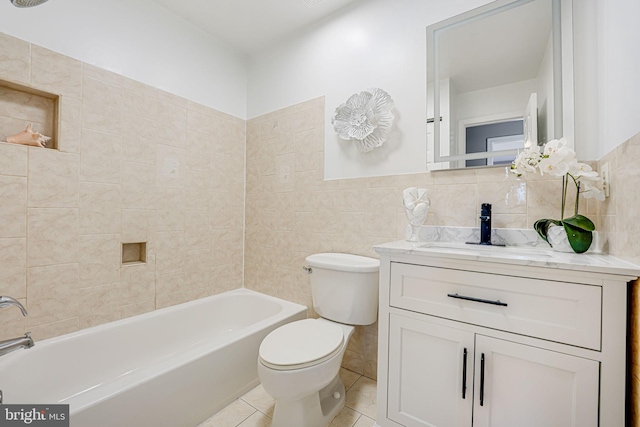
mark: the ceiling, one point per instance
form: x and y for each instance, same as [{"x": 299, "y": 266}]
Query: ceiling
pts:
[{"x": 249, "y": 25}]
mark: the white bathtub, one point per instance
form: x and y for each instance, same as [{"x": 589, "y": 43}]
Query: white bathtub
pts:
[{"x": 172, "y": 367}]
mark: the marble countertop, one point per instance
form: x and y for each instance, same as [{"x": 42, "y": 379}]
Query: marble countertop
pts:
[{"x": 514, "y": 255}]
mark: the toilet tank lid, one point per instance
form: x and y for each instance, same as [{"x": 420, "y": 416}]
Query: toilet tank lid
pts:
[{"x": 344, "y": 262}]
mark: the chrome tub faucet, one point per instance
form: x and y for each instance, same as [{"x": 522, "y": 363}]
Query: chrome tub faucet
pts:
[
  {"x": 7, "y": 301},
  {"x": 7, "y": 346},
  {"x": 12, "y": 344}
]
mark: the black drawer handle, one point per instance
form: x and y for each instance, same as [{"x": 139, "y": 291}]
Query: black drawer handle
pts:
[
  {"x": 464, "y": 374},
  {"x": 482, "y": 380},
  {"x": 484, "y": 301}
]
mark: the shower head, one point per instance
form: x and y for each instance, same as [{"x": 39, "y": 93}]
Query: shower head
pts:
[{"x": 26, "y": 3}]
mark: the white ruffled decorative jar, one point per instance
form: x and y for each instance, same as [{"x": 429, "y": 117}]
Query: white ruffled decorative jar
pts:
[{"x": 416, "y": 206}]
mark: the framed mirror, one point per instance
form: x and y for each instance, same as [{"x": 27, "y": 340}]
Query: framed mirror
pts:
[{"x": 499, "y": 76}]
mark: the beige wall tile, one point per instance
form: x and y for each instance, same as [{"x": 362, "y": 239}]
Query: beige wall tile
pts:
[
  {"x": 103, "y": 75},
  {"x": 98, "y": 305},
  {"x": 139, "y": 139},
  {"x": 169, "y": 289},
  {"x": 13, "y": 209},
  {"x": 52, "y": 292},
  {"x": 199, "y": 151},
  {"x": 505, "y": 197},
  {"x": 13, "y": 159},
  {"x": 454, "y": 205},
  {"x": 100, "y": 157},
  {"x": 138, "y": 281},
  {"x": 99, "y": 259},
  {"x": 100, "y": 208},
  {"x": 55, "y": 73},
  {"x": 171, "y": 166},
  {"x": 102, "y": 106},
  {"x": 13, "y": 274},
  {"x": 169, "y": 252},
  {"x": 53, "y": 179},
  {"x": 70, "y": 132},
  {"x": 197, "y": 233},
  {"x": 52, "y": 236},
  {"x": 15, "y": 59},
  {"x": 138, "y": 225},
  {"x": 544, "y": 200},
  {"x": 140, "y": 99},
  {"x": 172, "y": 124},
  {"x": 169, "y": 98},
  {"x": 138, "y": 185}
]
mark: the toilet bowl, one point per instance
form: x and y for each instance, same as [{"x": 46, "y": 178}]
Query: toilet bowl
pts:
[
  {"x": 299, "y": 363},
  {"x": 308, "y": 392}
]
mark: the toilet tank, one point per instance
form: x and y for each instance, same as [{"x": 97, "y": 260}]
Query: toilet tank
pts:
[{"x": 344, "y": 287}]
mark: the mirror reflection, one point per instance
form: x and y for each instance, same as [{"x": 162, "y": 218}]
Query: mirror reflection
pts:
[{"x": 495, "y": 81}]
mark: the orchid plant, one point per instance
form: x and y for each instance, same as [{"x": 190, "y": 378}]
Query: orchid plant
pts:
[{"x": 557, "y": 159}]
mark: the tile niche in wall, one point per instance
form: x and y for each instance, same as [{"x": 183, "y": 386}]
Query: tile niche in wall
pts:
[{"x": 24, "y": 105}]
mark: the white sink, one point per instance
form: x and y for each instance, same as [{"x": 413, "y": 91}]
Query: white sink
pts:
[{"x": 489, "y": 249}]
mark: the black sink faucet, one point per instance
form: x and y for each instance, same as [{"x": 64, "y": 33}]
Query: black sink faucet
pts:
[{"x": 485, "y": 224}]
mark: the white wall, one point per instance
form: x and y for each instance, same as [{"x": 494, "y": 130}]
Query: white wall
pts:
[
  {"x": 375, "y": 43},
  {"x": 138, "y": 39},
  {"x": 619, "y": 66},
  {"x": 381, "y": 43}
]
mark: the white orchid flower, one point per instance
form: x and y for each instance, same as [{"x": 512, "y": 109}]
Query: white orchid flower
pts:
[
  {"x": 584, "y": 171},
  {"x": 527, "y": 161},
  {"x": 592, "y": 192},
  {"x": 557, "y": 148}
]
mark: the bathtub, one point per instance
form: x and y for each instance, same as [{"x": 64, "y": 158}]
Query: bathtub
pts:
[{"x": 172, "y": 367}]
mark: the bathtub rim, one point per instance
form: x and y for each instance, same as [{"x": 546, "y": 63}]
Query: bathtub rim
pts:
[{"x": 87, "y": 398}]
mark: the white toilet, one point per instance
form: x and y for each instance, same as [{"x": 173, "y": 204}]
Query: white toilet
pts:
[{"x": 299, "y": 362}]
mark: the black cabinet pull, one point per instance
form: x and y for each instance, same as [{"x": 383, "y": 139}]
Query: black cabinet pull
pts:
[
  {"x": 484, "y": 301},
  {"x": 482, "y": 380},
  {"x": 464, "y": 373}
]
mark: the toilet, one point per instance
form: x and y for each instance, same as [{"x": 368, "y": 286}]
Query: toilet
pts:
[{"x": 299, "y": 362}]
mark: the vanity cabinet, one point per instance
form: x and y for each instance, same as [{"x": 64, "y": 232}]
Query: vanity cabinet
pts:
[
  {"x": 499, "y": 343},
  {"x": 441, "y": 376}
]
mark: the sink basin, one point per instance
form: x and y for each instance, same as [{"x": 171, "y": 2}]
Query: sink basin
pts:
[{"x": 489, "y": 249}]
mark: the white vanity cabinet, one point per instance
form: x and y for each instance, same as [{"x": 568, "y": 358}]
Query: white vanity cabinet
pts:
[{"x": 501, "y": 342}]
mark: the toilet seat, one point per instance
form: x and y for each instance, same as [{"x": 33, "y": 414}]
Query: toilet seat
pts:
[{"x": 301, "y": 344}]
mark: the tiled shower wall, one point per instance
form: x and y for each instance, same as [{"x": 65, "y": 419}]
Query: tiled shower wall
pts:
[
  {"x": 134, "y": 164},
  {"x": 291, "y": 212}
]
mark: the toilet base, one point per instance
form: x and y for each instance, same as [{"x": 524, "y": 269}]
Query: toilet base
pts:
[{"x": 315, "y": 410}]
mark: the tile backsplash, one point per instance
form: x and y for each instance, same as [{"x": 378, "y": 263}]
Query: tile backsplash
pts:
[
  {"x": 292, "y": 212},
  {"x": 133, "y": 164}
]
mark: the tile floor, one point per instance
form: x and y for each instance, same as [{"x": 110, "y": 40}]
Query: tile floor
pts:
[{"x": 255, "y": 408}]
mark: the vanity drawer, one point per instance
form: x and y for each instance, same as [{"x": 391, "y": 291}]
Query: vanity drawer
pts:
[{"x": 558, "y": 311}]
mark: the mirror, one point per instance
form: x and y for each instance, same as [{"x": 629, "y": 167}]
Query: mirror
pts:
[{"x": 498, "y": 76}]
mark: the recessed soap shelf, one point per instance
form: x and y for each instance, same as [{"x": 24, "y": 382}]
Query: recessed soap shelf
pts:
[{"x": 134, "y": 253}]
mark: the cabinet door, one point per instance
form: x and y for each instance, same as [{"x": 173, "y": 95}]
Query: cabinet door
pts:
[
  {"x": 427, "y": 366},
  {"x": 530, "y": 387}
]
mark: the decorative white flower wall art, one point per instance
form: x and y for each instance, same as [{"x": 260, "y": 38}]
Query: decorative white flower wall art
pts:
[{"x": 365, "y": 119}]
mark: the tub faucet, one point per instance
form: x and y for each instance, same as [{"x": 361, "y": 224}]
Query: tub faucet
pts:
[
  {"x": 7, "y": 346},
  {"x": 7, "y": 301},
  {"x": 485, "y": 224}
]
